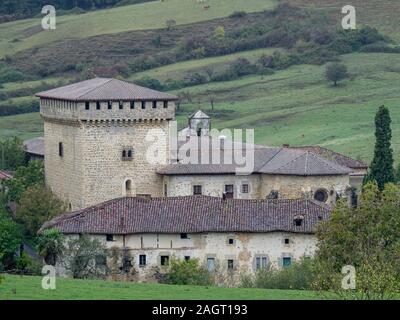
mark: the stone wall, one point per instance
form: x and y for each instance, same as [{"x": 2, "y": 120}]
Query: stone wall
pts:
[
  {"x": 244, "y": 250},
  {"x": 91, "y": 169},
  {"x": 213, "y": 185},
  {"x": 260, "y": 186}
]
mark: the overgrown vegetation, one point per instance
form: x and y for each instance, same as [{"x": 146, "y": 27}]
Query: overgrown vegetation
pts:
[
  {"x": 366, "y": 237},
  {"x": 187, "y": 272}
]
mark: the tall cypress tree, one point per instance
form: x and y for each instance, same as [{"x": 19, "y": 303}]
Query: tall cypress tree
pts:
[{"x": 381, "y": 169}]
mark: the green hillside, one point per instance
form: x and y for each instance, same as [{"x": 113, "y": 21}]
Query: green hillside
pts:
[
  {"x": 24, "y": 34},
  {"x": 295, "y": 105},
  {"x": 29, "y": 288}
]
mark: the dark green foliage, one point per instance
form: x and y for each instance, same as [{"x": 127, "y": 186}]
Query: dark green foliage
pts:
[
  {"x": 381, "y": 169},
  {"x": 50, "y": 245},
  {"x": 25, "y": 177},
  {"x": 80, "y": 257},
  {"x": 37, "y": 205},
  {"x": 366, "y": 237},
  {"x": 397, "y": 178},
  {"x": 149, "y": 83},
  {"x": 28, "y": 8},
  {"x": 10, "y": 240},
  {"x": 12, "y": 154},
  {"x": 299, "y": 276},
  {"x": 8, "y": 109},
  {"x": 189, "y": 272},
  {"x": 336, "y": 72}
]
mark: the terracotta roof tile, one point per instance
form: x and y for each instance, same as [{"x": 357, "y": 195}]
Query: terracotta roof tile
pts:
[
  {"x": 191, "y": 214},
  {"x": 104, "y": 89}
]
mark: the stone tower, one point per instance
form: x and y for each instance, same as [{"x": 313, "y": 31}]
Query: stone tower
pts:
[{"x": 97, "y": 134}]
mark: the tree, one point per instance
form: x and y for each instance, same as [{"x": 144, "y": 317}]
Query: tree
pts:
[
  {"x": 381, "y": 169},
  {"x": 23, "y": 178},
  {"x": 38, "y": 205},
  {"x": 366, "y": 237},
  {"x": 336, "y": 72},
  {"x": 10, "y": 240},
  {"x": 12, "y": 154},
  {"x": 170, "y": 24},
  {"x": 85, "y": 257},
  {"x": 50, "y": 245}
]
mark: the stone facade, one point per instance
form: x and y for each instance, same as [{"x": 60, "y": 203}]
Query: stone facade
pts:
[
  {"x": 91, "y": 168},
  {"x": 242, "y": 248},
  {"x": 260, "y": 186}
]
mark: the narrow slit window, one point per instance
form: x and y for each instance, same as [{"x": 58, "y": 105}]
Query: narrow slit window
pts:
[
  {"x": 154, "y": 104},
  {"x": 60, "y": 149}
]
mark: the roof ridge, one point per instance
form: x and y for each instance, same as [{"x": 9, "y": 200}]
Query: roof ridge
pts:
[
  {"x": 86, "y": 92},
  {"x": 290, "y": 162},
  {"x": 270, "y": 159}
]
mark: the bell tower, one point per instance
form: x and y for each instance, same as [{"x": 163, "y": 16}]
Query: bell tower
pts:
[{"x": 97, "y": 133}]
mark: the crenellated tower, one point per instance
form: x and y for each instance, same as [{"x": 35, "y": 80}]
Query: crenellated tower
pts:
[{"x": 96, "y": 137}]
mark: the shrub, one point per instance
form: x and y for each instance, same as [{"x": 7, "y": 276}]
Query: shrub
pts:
[
  {"x": 84, "y": 257},
  {"x": 26, "y": 265},
  {"x": 149, "y": 83},
  {"x": 299, "y": 276},
  {"x": 238, "y": 14},
  {"x": 187, "y": 273},
  {"x": 336, "y": 72}
]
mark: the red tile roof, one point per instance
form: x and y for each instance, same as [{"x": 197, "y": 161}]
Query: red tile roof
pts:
[
  {"x": 104, "y": 89},
  {"x": 191, "y": 214},
  {"x": 5, "y": 176}
]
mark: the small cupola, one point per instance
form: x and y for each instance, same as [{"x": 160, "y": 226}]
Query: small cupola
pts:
[{"x": 199, "y": 124}]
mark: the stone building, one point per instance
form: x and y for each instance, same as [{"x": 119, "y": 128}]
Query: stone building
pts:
[
  {"x": 98, "y": 135},
  {"x": 95, "y": 136},
  {"x": 228, "y": 236}
]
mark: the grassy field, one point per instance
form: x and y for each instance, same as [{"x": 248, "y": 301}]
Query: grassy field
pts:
[
  {"x": 382, "y": 14},
  {"x": 27, "y": 287},
  {"x": 24, "y": 126},
  {"x": 298, "y": 106},
  {"x": 24, "y": 34}
]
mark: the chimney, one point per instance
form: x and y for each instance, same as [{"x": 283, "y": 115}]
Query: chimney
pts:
[{"x": 222, "y": 141}]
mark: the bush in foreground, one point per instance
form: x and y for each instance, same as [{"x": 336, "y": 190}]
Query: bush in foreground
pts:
[{"x": 187, "y": 272}]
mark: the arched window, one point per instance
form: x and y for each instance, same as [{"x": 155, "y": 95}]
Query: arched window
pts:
[{"x": 128, "y": 187}]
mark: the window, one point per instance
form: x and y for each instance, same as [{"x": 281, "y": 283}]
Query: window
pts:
[
  {"x": 287, "y": 241},
  {"x": 245, "y": 188},
  {"x": 184, "y": 236},
  {"x": 298, "y": 222},
  {"x": 321, "y": 195},
  {"x": 109, "y": 237},
  {"x": 127, "y": 154},
  {"x": 87, "y": 105},
  {"x": 231, "y": 241},
  {"x": 132, "y": 104},
  {"x": 230, "y": 264},
  {"x": 142, "y": 260},
  {"x": 165, "y": 104},
  {"x": 154, "y": 104},
  {"x": 143, "y": 104},
  {"x": 229, "y": 191},
  {"x": 286, "y": 262},
  {"x": 187, "y": 258},
  {"x": 109, "y": 106},
  {"x": 210, "y": 264},
  {"x": 165, "y": 190},
  {"x": 128, "y": 187},
  {"x": 164, "y": 260},
  {"x": 60, "y": 149},
  {"x": 197, "y": 190},
  {"x": 98, "y": 105},
  {"x": 121, "y": 105},
  {"x": 261, "y": 263}
]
